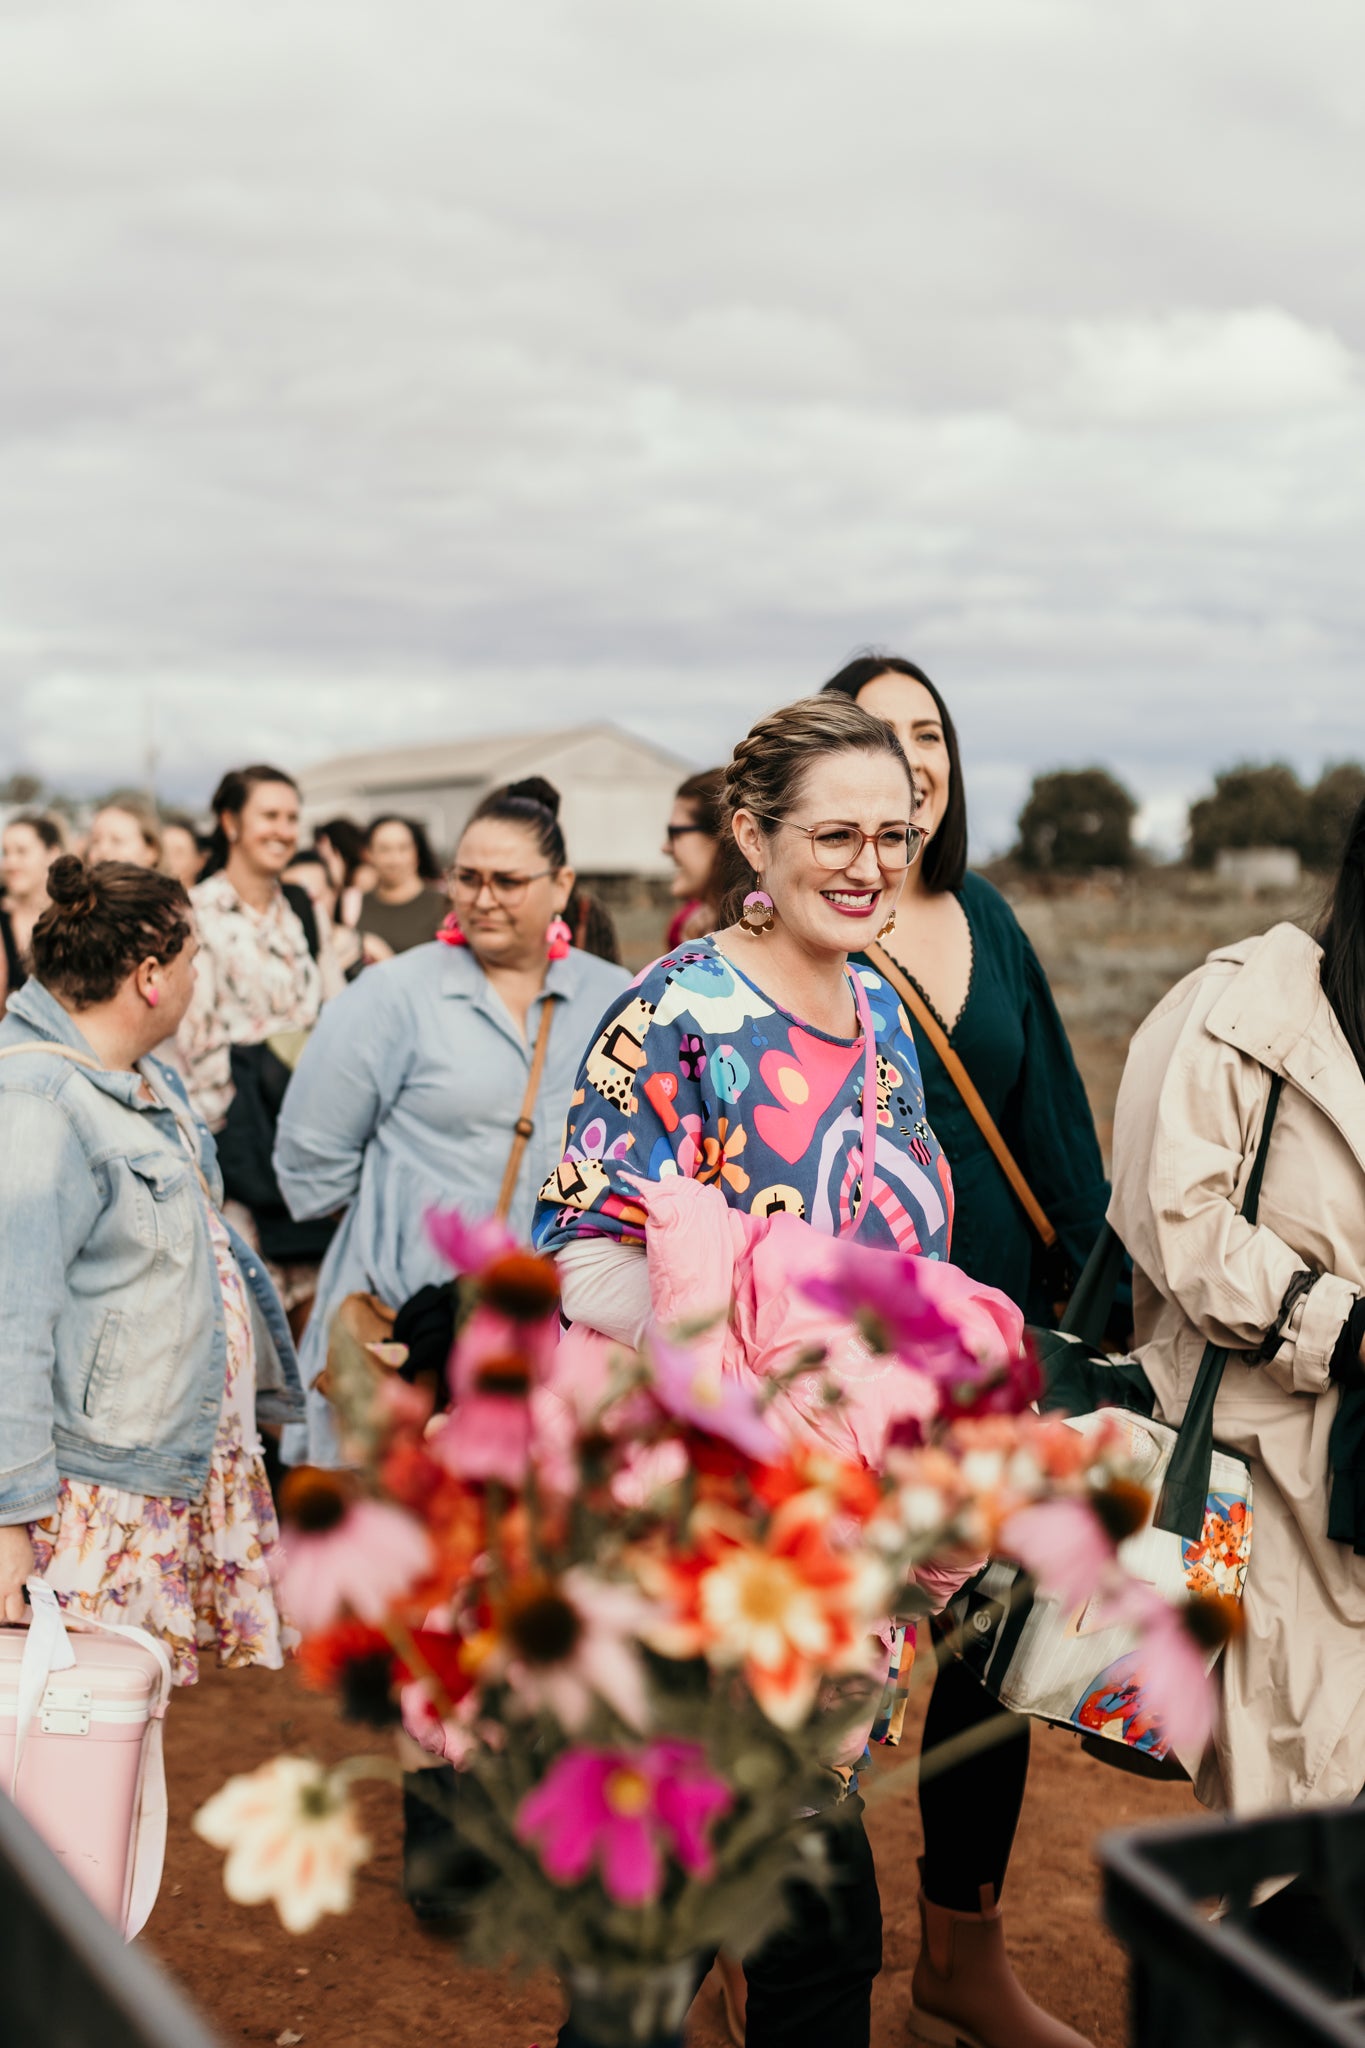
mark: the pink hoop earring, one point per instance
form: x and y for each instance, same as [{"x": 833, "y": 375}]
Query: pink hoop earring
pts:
[
  {"x": 449, "y": 932},
  {"x": 758, "y": 915},
  {"x": 558, "y": 940}
]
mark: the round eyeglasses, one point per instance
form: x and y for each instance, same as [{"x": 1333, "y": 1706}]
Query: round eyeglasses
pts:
[
  {"x": 836, "y": 845},
  {"x": 508, "y": 890}
]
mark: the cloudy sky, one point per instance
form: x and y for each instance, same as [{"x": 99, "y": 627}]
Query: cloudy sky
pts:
[{"x": 377, "y": 371}]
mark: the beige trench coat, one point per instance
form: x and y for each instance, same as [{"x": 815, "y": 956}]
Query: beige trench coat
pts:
[{"x": 1186, "y": 1130}]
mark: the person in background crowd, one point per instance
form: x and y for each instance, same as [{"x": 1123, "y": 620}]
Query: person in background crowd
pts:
[
  {"x": 408, "y": 1096},
  {"x": 307, "y": 872},
  {"x": 592, "y": 926},
  {"x": 124, "y": 832},
  {"x": 341, "y": 842},
  {"x": 691, "y": 839},
  {"x": 136, "y": 1490},
  {"x": 181, "y": 853},
  {"x": 1275, "y": 1019},
  {"x": 958, "y": 943},
  {"x": 820, "y": 798},
  {"x": 28, "y": 847},
  {"x": 265, "y": 967},
  {"x": 404, "y": 908}
]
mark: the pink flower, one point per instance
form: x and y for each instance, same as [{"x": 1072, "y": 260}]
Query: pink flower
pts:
[
  {"x": 370, "y": 1555},
  {"x": 964, "y": 1335},
  {"x": 697, "y": 1392},
  {"x": 1171, "y": 1662},
  {"x": 563, "y": 1642},
  {"x": 496, "y": 1366},
  {"x": 624, "y": 1811},
  {"x": 1065, "y": 1547},
  {"x": 467, "y": 1245}
]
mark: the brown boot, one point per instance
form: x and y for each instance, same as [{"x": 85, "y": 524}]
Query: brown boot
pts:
[{"x": 964, "y": 1993}]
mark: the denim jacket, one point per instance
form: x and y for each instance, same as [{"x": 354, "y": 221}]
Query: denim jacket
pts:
[{"x": 113, "y": 1343}]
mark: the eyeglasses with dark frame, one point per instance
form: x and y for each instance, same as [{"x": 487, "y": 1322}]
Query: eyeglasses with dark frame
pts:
[
  {"x": 672, "y": 832},
  {"x": 837, "y": 845},
  {"x": 508, "y": 890}
]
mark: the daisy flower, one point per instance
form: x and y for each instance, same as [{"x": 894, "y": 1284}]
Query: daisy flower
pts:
[
  {"x": 561, "y": 1642},
  {"x": 291, "y": 1835},
  {"x": 341, "y": 1551}
]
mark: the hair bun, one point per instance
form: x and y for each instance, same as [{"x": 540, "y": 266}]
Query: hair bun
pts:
[
  {"x": 535, "y": 789},
  {"x": 71, "y": 888}
]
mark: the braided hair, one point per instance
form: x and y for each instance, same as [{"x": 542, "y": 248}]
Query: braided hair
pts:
[{"x": 101, "y": 922}]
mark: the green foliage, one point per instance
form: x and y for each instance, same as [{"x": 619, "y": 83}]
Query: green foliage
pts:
[
  {"x": 1253, "y": 805},
  {"x": 1076, "y": 819},
  {"x": 21, "y": 789}
]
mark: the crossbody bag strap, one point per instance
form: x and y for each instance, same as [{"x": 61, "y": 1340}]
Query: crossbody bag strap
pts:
[
  {"x": 1185, "y": 1493},
  {"x": 928, "y": 1023},
  {"x": 525, "y": 1125}
]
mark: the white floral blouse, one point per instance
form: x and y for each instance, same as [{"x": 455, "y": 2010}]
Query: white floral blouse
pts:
[{"x": 254, "y": 976}]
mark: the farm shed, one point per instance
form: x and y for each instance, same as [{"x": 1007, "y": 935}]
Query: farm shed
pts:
[{"x": 616, "y": 789}]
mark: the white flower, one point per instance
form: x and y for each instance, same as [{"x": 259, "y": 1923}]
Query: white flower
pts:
[{"x": 291, "y": 1835}]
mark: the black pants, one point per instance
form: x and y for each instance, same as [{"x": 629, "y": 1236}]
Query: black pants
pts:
[
  {"x": 810, "y": 1986},
  {"x": 969, "y": 1814}
]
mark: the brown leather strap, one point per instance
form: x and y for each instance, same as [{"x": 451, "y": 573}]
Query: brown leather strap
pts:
[
  {"x": 928, "y": 1023},
  {"x": 524, "y": 1125}
]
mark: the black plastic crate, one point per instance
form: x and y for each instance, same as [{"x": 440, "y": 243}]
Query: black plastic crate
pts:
[{"x": 1211, "y": 1983}]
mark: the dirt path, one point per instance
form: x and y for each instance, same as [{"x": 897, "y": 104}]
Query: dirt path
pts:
[{"x": 376, "y": 1980}]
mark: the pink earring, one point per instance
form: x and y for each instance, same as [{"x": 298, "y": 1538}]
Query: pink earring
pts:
[
  {"x": 558, "y": 940},
  {"x": 153, "y": 998},
  {"x": 758, "y": 915},
  {"x": 449, "y": 933}
]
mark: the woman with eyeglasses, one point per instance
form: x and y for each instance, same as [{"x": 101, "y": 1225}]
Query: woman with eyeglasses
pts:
[
  {"x": 410, "y": 1088},
  {"x": 959, "y": 945},
  {"x": 692, "y": 838},
  {"x": 739, "y": 1060}
]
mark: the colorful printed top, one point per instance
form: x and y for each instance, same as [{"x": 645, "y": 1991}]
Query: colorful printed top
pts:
[{"x": 698, "y": 1073}]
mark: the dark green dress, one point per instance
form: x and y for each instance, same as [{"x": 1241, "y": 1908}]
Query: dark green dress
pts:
[{"x": 1013, "y": 1044}]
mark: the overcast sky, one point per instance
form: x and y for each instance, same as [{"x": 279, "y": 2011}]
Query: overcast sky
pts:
[{"x": 370, "y": 372}]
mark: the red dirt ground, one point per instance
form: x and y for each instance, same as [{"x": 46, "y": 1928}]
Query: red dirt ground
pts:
[{"x": 376, "y": 1980}]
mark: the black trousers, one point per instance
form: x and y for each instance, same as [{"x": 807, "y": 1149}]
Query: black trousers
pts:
[
  {"x": 811, "y": 1985},
  {"x": 970, "y": 1813}
]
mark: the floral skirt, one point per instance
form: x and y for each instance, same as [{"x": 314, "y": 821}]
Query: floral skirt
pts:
[
  {"x": 198, "y": 1574},
  {"x": 194, "y": 1573}
]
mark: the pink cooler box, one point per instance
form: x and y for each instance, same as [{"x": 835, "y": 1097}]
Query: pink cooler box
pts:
[{"x": 90, "y": 1777}]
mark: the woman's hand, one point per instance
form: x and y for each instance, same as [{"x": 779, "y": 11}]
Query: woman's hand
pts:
[{"x": 16, "y": 1565}]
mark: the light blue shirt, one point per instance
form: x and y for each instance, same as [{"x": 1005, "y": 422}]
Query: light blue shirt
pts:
[{"x": 405, "y": 1100}]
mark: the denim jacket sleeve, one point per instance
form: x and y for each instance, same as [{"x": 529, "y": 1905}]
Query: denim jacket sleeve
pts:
[
  {"x": 49, "y": 1201},
  {"x": 351, "y": 1074}
]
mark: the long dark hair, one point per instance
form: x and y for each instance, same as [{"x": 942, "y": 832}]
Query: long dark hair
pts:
[
  {"x": 428, "y": 867},
  {"x": 101, "y": 923},
  {"x": 944, "y": 861},
  {"x": 229, "y": 801},
  {"x": 1341, "y": 934}
]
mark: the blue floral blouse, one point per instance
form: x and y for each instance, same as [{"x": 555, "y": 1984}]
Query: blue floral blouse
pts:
[{"x": 697, "y": 1072}]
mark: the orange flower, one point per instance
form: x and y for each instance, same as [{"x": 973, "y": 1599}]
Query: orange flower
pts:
[
  {"x": 784, "y": 1608},
  {"x": 717, "y": 1154}
]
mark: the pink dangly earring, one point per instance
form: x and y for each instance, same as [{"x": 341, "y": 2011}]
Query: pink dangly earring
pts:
[
  {"x": 558, "y": 940},
  {"x": 449, "y": 932},
  {"x": 758, "y": 915},
  {"x": 153, "y": 997}
]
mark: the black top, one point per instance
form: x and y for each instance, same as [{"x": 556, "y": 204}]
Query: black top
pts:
[
  {"x": 1014, "y": 1045},
  {"x": 15, "y": 972}
]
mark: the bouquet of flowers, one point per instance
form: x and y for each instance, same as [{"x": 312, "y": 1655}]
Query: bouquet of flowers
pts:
[{"x": 651, "y": 1622}]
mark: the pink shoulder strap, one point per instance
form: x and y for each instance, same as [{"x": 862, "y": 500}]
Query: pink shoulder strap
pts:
[{"x": 869, "y": 1170}]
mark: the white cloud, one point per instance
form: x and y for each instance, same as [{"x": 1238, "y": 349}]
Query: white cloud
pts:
[{"x": 377, "y": 371}]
